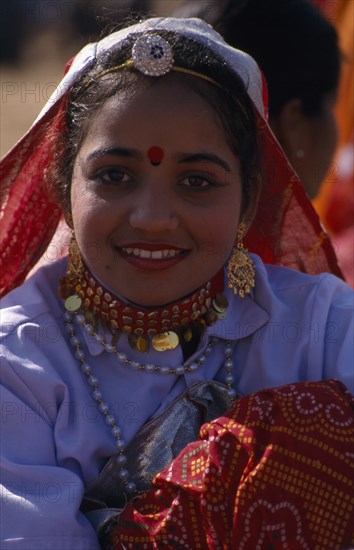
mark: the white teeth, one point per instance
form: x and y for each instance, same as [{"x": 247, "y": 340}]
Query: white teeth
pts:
[{"x": 155, "y": 254}]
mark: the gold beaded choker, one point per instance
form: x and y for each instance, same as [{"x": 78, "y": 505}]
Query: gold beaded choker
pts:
[{"x": 164, "y": 327}]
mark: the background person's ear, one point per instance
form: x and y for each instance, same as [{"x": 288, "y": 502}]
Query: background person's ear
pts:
[{"x": 291, "y": 127}]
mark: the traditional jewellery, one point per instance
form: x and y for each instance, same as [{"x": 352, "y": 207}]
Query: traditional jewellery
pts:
[
  {"x": 162, "y": 328},
  {"x": 152, "y": 56},
  {"x": 240, "y": 268},
  {"x": 121, "y": 459},
  {"x": 136, "y": 365}
]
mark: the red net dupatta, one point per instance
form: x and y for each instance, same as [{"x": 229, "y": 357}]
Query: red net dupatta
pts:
[
  {"x": 276, "y": 471},
  {"x": 287, "y": 230},
  {"x": 30, "y": 213}
]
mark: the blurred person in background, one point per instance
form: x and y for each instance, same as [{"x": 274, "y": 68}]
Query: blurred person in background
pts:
[
  {"x": 335, "y": 201},
  {"x": 297, "y": 49}
]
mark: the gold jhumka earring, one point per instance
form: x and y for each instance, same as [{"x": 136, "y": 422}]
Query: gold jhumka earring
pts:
[{"x": 240, "y": 269}]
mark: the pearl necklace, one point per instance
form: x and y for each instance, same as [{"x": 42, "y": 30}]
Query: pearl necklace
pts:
[{"x": 121, "y": 459}]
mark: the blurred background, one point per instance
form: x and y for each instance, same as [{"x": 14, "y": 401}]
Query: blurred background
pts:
[{"x": 37, "y": 37}]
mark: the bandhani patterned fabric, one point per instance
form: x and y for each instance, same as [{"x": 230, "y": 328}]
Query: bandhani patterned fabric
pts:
[
  {"x": 286, "y": 229},
  {"x": 276, "y": 472}
]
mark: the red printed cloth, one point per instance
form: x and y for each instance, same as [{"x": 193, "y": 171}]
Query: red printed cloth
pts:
[{"x": 276, "y": 472}]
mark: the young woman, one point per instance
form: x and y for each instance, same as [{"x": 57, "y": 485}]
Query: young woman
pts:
[{"x": 156, "y": 149}]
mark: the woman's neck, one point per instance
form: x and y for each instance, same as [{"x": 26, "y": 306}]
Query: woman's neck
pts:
[{"x": 162, "y": 327}]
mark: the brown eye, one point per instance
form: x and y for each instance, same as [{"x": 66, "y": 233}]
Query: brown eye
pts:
[
  {"x": 112, "y": 176},
  {"x": 196, "y": 182}
]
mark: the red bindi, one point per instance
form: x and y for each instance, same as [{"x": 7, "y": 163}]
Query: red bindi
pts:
[{"x": 155, "y": 155}]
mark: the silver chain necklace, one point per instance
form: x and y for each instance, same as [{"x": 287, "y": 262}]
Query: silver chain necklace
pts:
[{"x": 121, "y": 459}]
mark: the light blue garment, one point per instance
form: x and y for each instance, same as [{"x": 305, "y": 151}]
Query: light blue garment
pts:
[{"x": 54, "y": 441}]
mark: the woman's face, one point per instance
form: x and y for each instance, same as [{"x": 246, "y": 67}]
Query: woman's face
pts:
[{"x": 154, "y": 233}]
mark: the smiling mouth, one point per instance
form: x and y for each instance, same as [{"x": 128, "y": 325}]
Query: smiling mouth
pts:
[{"x": 145, "y": 254}]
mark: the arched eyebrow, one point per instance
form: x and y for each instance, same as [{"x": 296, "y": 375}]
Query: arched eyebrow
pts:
[
  {"x": 185, "y": 158},
  {"x": 114, "y": 151},
  {"x": 182, "y": 158}
]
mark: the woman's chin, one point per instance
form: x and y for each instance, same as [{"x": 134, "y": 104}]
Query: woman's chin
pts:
[
  {"x": 152, "y": 300},
  {"x": 151, "y": 296}
]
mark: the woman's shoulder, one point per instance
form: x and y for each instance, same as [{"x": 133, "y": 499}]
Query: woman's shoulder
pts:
[
  {"x": 288, "y": 294},
  {"x": 309, "y": 327},
  {"x": 33, "y": 340},
  {"x": 279, "y": 280},
  {"x": 35, "y": 298}
]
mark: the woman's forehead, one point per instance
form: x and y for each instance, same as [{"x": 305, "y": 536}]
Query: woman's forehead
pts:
[
  {"x": 160, "y": 104},
  {"x": 156, "y": 120}
]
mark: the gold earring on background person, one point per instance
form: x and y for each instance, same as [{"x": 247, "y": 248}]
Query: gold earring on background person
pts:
[{"x": 240, "y": 269}]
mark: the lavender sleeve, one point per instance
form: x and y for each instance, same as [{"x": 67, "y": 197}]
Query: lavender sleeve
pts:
[{"x": 40, "y": 500}]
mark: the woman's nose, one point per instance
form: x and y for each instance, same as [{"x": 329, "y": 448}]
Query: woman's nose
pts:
[{"x": 154, "y": 212}]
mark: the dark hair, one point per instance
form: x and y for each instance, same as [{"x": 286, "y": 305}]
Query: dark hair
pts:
[
  {"x": 292, "y": 42},
  {"x": 230, "y": 101}
]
